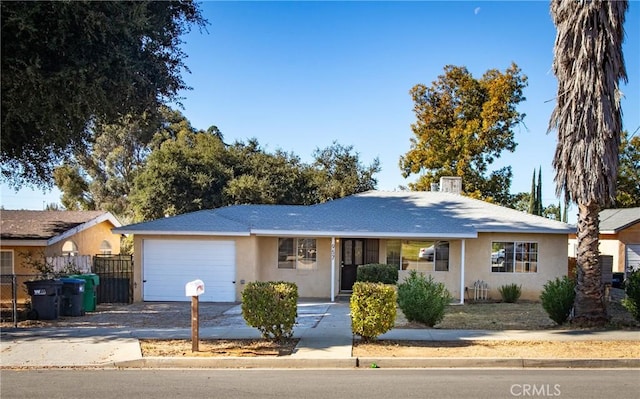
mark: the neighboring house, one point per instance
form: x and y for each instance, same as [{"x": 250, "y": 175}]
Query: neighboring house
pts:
[
  {"x": 52, "y": 234},
  {"x": 619, "y": 237},
  {"x": 319, "y": 247}
]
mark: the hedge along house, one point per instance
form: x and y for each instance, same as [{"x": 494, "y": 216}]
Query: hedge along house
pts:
[{"x": 456, "y": 239}]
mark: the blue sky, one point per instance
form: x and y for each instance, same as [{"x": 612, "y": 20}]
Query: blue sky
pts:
[{"x": 299, "y": 75}]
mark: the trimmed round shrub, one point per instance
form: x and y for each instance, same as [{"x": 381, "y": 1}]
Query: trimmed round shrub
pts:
[
  {"x": 422, "y": 299},
  {"x": 377, "y": 273},
  {"x": 373, "y": 309},
  {"x": 632, "y": 289},
  {"x": 510, "y": 293},
  {"x": 557, "y": 298},
  {"x": 271, "y": 307}
]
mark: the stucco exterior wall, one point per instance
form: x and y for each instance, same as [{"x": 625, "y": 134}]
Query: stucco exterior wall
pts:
[
  {"x": 23, "y": 271},
  {"x": 552, "y": 263},
  {"x": 257, "y": 260},
  {"x": 314, "y": 283},
  {"x": 88, "y": 241},
  {"x": 614, "y": 245},
  {"x": 246, "y": 259}
]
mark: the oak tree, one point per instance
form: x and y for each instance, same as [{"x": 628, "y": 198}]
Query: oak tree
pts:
[
  {"x": 67, "y": 65},
  {"x": 462, "y": 125}
]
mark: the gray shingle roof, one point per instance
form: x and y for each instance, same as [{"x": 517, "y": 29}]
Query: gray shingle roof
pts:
[
  {"x": 614, "y": 220},
  {"x": 369, "y": 214},
  {"x": 42, "y": 225}
]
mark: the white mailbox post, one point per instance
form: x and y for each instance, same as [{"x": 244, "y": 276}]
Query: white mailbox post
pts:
[{"x": 194, "y": 289}]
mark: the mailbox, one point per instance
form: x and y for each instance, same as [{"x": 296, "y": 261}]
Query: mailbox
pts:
[{"x": 194, "y": 288}]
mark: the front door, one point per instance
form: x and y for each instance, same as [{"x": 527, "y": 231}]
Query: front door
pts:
[{"x": 352, "y": 257}]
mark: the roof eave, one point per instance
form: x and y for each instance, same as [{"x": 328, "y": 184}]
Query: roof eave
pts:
[
  {"x": 181, "y": 233},
  {"x": 105, "y": 217},
  {"x": 24, "y": 243},
  {"x": 359, "y": 234}
]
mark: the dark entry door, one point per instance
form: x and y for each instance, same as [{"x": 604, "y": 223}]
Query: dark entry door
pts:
[{"x": 352, "y": 257}]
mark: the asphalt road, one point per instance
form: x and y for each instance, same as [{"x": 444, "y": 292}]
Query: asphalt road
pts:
[{"x": 321, "y": 383}]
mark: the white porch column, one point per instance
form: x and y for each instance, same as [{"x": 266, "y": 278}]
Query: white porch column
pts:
[
  {"x": 333, "y": 269},
  {"x": 462, "y": 249}
]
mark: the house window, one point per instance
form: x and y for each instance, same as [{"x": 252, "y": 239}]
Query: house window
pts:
[
  {"x": 425, "y": 256},
  {"x": 69, "y": 248},
  {"x": 6, "y": 266},
  {"x": 514, "y": 257},
  {"x": 297, "y": 253},
  {"x": 105, "y": 247}
]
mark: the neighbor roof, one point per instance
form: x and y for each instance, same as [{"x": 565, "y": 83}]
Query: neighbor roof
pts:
[
  {"x": 614, "y": 220},
  {"x": 370, "y": 214},
  {"x": 51, "y": 226}
]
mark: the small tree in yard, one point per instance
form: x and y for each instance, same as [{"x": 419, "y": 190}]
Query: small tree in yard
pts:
[
  {"x": 373, "y": 309},
  {"x": 422, "y": 299},
  {"x": 271, "y": 307},
  {"x": 557, "y": 298},
  {"x": 632, "y": 289}
]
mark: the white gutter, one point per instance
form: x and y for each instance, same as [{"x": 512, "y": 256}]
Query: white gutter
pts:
[
  {"x": 360, "y": 234},
  {"x": 182, "y": 233},
  {"x": 462, "y": 251}
]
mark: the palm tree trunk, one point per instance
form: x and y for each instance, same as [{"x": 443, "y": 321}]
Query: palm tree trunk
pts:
[{"x": 589, "y": 304}]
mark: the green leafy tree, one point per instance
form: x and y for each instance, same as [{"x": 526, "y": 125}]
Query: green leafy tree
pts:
[
  {"x": 588, "y": 64},
  {"x": 520, "y": 201},
  {"x": 339, "y": 173},
  {"x": 539, "y": 206},
  {"x": 463, "y": 124},
  {"x": 184, "y": 174},
  {"x": 67, "y": 65},
  {"x": 101, "y": 175},
  {"x": 628, "y": 183},
  {"x": 532, "y": 196},
  {"x": 552, "y": 212},
  {"x": 263, "y": 178}
]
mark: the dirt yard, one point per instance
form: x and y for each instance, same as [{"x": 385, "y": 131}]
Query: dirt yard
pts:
[{"x": 479, "y": 316}]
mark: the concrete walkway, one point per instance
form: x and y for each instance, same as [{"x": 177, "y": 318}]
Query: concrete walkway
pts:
[{"x": 325, "y": 336}]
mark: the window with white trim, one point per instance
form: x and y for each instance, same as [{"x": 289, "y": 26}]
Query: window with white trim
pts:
[
  {"x": 69, "y": 248},
  {"x": 514, "y": 257},
  {"x": 426, "y": 256},
  {"x": 297, "y": 253},
  {"x": 105, "y": 247}
]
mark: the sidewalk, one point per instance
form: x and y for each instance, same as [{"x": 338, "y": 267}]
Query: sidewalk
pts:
[{"x": 325, "y": 336}]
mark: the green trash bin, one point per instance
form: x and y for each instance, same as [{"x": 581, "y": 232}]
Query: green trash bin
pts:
[{"x": 91, "y": 281}]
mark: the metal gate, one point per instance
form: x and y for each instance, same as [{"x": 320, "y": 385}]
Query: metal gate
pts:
[{"x": 116, "y": 278}]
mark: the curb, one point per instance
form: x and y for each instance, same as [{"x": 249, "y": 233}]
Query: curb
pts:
[
  {"x": 369, "y": 362},
  {"x": 235, "y": 363}
]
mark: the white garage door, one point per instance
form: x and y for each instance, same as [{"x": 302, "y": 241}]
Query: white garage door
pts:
[
  {"x": 633, "y": 257},
  {"x": 167, "y": 265}
]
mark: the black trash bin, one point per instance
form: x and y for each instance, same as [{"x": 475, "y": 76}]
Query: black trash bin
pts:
[
  {"x": 45, "y": 299},
  {"x": 72, "y": 297}
]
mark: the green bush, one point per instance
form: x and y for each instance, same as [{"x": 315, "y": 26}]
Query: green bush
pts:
[
  {"x": 377, "y": 273},
  {"x": 632, "y": 289},
  {"x": 422, "y": 299},
  {"x": 557, "y": 298},
  {"x": 271, "y": 307},
  {"x": 373, "y": 309},
  {"x": 510, "y": 293}
]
